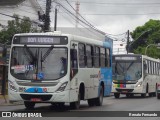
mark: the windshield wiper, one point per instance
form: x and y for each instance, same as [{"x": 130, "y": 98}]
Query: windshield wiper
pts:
[
  {"x": 130, "y": 65},
  {"x": 46, "y": 54},
  {"x": 34, "y": 59}
]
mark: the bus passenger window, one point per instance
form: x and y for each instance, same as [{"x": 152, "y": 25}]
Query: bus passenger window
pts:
[
  {"x": 89, "y": 56},
  {"x": 103, "y": 57},
  {"x": 97, "y": 57},
  {"x": 81, "y": 48},
  {"x": 108, "y": 58}
]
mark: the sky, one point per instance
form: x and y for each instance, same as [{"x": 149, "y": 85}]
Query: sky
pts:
[{"x": 110, "y": 16}]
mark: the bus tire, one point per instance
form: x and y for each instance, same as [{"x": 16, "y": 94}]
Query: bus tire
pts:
[
  {"x": 76, "y": 105},
  {"x": 155, "y": 93},
  {"x": 143, "y": 95},
  {"x": 150, "y": 94},
  {"x": 116, "y": 95},
  {"x": 91, "y": 102},
  {"x": 99, "y": 100},
  {"x": 29, "y": 105},
  {"x": 158, "y": 95},
  {"x": 127, "y": 95}
]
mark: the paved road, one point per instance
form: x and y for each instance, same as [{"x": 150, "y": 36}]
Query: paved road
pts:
[{"x": 110, "y": 104}]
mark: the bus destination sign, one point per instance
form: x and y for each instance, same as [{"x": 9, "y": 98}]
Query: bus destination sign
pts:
[
  {"x": 125, "y": 58},
  {"x": 40, "y": 40},
  {"x": 43, "y": 40}
]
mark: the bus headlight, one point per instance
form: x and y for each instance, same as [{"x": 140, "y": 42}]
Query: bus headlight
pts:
[
  {"x": 139, "y": 84},
  {"x": 11, "y": 86},
  {"x": 62, "y": 87}
]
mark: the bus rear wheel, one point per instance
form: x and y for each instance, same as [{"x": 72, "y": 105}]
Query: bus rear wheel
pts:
[
  {"x": 29, "y": 105},
  {"x": 99, "y": 100},
  {"x": 116, "y": 95}
]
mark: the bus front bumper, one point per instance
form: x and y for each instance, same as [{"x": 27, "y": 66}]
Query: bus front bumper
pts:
[
  {"x": 39, "y": 97},
  {"x": 135, "y": 90}
]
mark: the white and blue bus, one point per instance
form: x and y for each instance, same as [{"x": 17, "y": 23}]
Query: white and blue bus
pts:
[
  {"x": 135, "y": 74},
  {"x": 59, "y": 68}
]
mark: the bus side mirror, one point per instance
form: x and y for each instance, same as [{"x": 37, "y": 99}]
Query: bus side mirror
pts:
[{"x": 73, "y": 54}]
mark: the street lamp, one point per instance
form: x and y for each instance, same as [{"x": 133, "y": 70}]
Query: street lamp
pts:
[
  {"x": 138, "y": 38},
  {"x": 157, "y": 45}
]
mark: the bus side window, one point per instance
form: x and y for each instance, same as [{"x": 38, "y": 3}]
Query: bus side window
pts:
[
  {"x": 145, "y": 67},
  {"x": 74, "y": 63}
]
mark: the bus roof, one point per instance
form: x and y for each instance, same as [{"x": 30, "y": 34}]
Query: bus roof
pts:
[
  {"x": 143, "y": 56},
  {"x": 74, "y": 37}
]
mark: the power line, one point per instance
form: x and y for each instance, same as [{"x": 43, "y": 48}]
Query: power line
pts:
[
  {"x": 119, "y": 3},
  {"x": 108, "y": 14},
  {"x": 117, "y": 34},
  {"x": 90, "y": 25},
  {"x": 75, "y": 16},
  {"x": 79, "y": 24},
  {"x": 86, "y": 22}
]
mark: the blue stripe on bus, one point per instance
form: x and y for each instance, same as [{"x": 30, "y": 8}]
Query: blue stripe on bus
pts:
[
  {"x": 106, "y": 77},
  {"x": 35, "y": 90}
]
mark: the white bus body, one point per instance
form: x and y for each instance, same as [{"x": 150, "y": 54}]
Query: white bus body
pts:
[
  {"x": 52, "y": 68},
  {"x": 135, "y": 74}
]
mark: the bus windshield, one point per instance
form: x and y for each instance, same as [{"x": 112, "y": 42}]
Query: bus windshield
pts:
[
  {"x": 38, "y": 63},
  {"x": 127, "y": 70}
]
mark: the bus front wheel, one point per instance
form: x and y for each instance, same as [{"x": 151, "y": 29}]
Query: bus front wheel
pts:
[
  {"x": 116, "y": 95},
  {"x": 29, "y": 105},
  {"x": 76, "y": 105}
]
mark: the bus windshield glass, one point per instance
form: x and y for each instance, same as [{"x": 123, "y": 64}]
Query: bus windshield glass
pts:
[
  {"x": 127, "y": 69},
  {"x": 38, "y": 63}
]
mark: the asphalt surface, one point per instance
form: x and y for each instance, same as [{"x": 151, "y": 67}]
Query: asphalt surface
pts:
[{"x": 112, "y": 109}]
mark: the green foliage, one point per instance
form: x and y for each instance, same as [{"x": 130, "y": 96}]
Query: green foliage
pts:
[
  {"x": 16, "y": 26},
  {"x": 145, "y": 35}
]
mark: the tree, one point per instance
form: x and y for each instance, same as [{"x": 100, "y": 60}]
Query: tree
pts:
[
  {"x": 143, "y": 38},
  {"x": 16, "y": 26}
]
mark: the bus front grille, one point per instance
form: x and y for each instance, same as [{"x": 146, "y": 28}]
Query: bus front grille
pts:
[
  {"x": 30, "y": 96},
  {"x": 43, "y": 84},
  {"x": 124, "y": 90}
]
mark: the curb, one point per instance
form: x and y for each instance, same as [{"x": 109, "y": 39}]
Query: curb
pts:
[
  {"x": 6, "y": 102},
  {"x": 10, "y": 104}
]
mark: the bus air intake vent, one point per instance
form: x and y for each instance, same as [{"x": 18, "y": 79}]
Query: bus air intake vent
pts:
[
  {"x": 29, "y": 96},
  {"x": 124, "y": 90}
]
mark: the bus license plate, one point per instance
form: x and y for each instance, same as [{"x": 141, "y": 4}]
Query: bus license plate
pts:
[
  {"x": 124, "y": 91},
  {"x": 36, "y": 99}
]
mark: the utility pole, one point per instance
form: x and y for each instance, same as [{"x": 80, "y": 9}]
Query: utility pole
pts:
[
  {"x": 55, "y": 19},
  {"x": 127, "y": 41},
  {"x": 47, "y": 16},
  {"x": 77, "y": 12}
]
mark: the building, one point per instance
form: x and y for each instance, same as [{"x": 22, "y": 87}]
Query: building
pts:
[{"x": 119, "y": 47}]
